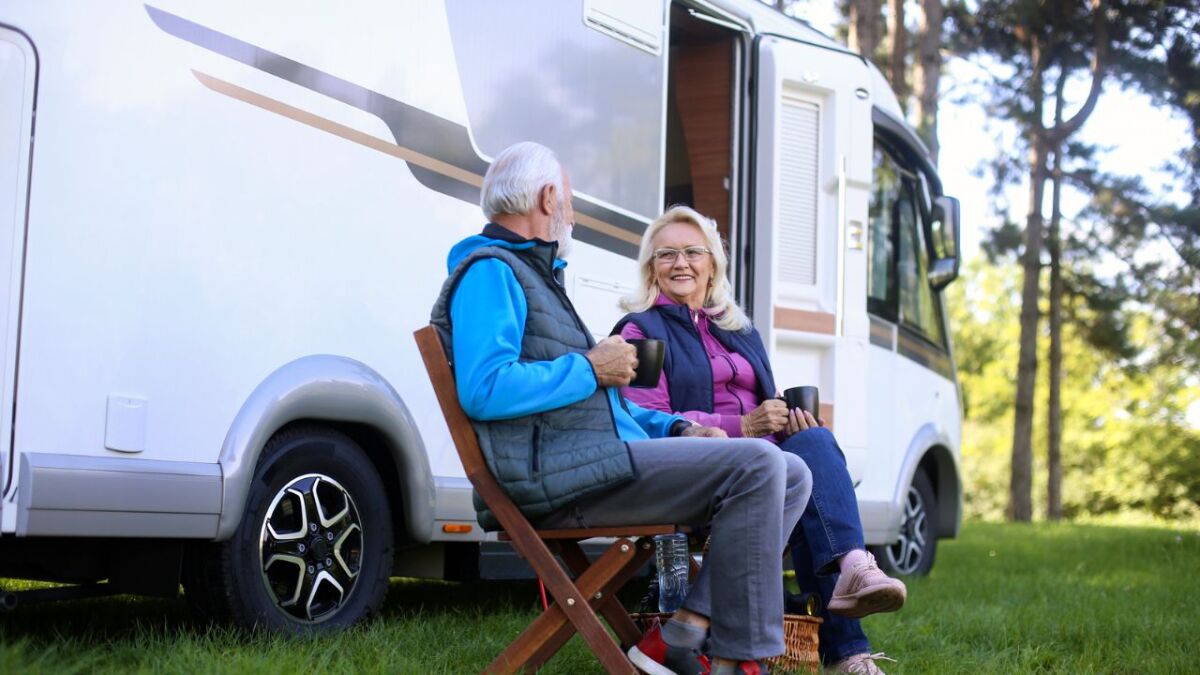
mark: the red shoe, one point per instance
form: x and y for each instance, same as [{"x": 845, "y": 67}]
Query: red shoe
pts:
[{"x": 656, "y": 657}]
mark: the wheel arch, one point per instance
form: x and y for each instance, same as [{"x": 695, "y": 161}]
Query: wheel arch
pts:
[
  {"x": 938, "y": 463},
  {"x": 930, "y": 452},
  {"x": 346, "y": 395}
]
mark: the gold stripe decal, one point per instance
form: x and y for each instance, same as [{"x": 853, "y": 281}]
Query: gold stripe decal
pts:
[
  {"x": 411, "y": 156},
  {"x": 605, "y": 228},
  {"x": 803, "y": 320},
  {"x": 354, "y": 135}
]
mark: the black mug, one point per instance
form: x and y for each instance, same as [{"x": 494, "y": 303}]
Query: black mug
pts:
[
  {"x": 804, "y": 398},
  {"x": 650, "y": 362}
]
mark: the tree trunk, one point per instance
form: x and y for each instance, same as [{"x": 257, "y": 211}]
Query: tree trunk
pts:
[
  {"x": 1020, "y": 504},
  {"x": 898, "y": 51},
  {"x": 928, "y": 73},
  {"x": 864, "y": 27},
  {"x": 1054, "y": 414},
  {"x": 1054, "y": 509},
  {"x": 1020, "y": 496}
]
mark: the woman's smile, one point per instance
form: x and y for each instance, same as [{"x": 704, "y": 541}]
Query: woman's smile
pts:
[{"x": 683, "y": 281}]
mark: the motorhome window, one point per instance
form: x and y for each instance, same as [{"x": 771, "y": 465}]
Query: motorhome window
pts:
[
  {"x": 919, "y": 308},
  {"x": 924, "y": 196},
  {"x": 596, "y": 100},
  {"x": 881, "y": 244}
]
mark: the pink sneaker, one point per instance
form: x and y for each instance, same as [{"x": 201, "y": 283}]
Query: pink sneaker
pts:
[
  {"x": 861, "y": 664},
  {"x": 865, "y": 589}
]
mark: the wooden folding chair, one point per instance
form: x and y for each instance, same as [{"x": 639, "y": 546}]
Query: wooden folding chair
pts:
[{"x": 575, "y": 601}]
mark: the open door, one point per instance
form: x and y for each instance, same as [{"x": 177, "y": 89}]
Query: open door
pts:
[
  {"x": 812, "y": 174},
  {"x": 18, "y": 75}
]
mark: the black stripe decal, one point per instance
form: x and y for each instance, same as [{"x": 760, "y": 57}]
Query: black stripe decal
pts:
[
  {"x": 882, "y": 333},
  {"x": 411, "y": 127},
  {"x": 916, "y": 348}
]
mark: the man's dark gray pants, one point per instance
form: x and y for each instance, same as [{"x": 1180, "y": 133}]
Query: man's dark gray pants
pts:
[{"x": 752, "y": 494}]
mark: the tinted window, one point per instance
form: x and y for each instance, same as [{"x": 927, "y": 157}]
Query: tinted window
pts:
[
  {"x": 897, "y": 260},
  {"x": 919, "y": 308},
  {"x": 881, "y": 243}
]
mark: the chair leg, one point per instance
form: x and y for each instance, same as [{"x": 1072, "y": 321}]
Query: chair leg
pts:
[
  {"x": 549, "y": 631},
  {"x": 610, "y": 606}
]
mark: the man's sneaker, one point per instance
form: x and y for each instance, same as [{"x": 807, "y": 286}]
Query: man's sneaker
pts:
[
  {"x": 862, "y": 664},
  {"x": 865, "y": 589},
  {"x": 656, "y": 657},
  {"x": 752, "y": 668}
]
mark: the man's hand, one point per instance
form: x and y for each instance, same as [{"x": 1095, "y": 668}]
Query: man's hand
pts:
[
  {"x": 767, "y": 418},
  {"x": 614, "y": 361},
  {"x": 697, "y": 431}
]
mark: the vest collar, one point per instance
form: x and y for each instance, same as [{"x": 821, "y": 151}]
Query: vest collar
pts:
[
  {"x": 545, "y": 252},
  {"x": 664, "y": 302}
]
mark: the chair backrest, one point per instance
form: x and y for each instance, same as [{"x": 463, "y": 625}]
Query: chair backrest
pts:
[{"x": 434, "y": 355}]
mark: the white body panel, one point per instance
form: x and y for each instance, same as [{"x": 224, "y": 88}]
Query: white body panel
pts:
[{"x": 184, "y": 243}]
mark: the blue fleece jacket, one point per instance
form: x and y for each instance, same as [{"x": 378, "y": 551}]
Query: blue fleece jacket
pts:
[{"x": 488, "y": 313}]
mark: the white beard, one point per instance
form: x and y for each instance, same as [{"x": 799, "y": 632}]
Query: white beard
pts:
[{"x": 560, "y": 231}]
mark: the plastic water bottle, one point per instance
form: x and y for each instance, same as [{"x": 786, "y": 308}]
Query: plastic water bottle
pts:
[{"x": 671, "y": 558}]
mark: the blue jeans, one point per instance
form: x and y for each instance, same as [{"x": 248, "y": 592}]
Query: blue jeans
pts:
[{"x": 828, "y": 529}]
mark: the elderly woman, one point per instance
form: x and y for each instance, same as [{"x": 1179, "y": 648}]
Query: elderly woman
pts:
[{"x": 716, "y": 373}]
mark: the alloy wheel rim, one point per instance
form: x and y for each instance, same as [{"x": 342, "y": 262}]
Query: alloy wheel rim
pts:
[
  {"x": 906, "y": 555},
  {"x": 310, "y": 548}
]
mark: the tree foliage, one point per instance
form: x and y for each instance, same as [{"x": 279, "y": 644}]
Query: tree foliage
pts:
[
  {"x": 1035, "y": 49},
  {"x": 1155, "y": 49},
  {"x": 1126, "y": 443}
]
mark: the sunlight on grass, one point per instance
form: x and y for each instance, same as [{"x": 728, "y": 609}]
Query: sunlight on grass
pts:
[{"x": 1065, "y": 598}]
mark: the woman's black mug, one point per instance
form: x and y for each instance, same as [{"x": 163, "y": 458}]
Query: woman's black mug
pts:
[{"x": 804, "y": 398}]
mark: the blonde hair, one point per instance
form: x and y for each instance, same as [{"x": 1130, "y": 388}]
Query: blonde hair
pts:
[{"x": 719, "y": 300}]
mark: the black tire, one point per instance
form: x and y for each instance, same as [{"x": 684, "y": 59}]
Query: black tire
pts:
[
  {"x": 322, "y": 562},
  {"x": 914, "y": 552}
]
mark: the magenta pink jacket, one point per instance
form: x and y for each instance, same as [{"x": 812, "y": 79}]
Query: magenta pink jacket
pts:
[{"x": 735, "y": 389}]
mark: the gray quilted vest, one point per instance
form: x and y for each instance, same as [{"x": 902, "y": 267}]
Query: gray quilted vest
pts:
[{"x": 547, "y": 460}]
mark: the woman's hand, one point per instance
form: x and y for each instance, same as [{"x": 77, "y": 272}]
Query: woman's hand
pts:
[
  {"x": 769, "y": 417},
  {"x": 799, "y": 420}
]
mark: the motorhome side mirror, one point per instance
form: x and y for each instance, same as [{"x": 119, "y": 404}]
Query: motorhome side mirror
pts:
[{"x": 945, "y": 237}]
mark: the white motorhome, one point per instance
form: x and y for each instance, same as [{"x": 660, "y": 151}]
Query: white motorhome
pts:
[{"x": 220, "y": 223}]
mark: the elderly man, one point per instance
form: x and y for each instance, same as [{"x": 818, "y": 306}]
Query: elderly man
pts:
[{"x": 571, "y": 452}]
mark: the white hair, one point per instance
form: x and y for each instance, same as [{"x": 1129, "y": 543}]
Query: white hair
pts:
[
  {"x": 719, "y": 301},
  {"x": 513, "y": 181}
]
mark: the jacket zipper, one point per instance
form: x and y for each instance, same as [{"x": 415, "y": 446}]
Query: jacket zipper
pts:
[
  {"x": 712, "y": 397},
  {"x": 535, "y": 456}
]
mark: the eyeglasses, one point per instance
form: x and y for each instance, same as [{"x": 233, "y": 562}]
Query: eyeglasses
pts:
[{"x": 691, "y": 254}]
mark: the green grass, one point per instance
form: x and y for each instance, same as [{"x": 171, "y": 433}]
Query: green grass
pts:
[{"x": 1002, "y": 599}]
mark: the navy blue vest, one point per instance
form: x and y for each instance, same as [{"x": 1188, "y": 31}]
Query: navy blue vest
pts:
[{"x": 689, "y": 374}]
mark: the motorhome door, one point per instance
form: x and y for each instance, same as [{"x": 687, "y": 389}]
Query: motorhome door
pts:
[
  {"x": 812, "y": 172},
  {"x": 18, "y": 72}
]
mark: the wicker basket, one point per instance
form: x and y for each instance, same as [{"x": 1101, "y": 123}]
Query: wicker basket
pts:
[{"x": 799, "y": 637}]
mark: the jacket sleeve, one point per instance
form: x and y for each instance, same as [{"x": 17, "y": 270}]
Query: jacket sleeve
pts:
[
  {"x": 656, "y": 424},
  {"x": 488, "y": 314},
  {"x": 659, "y": 397}
]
